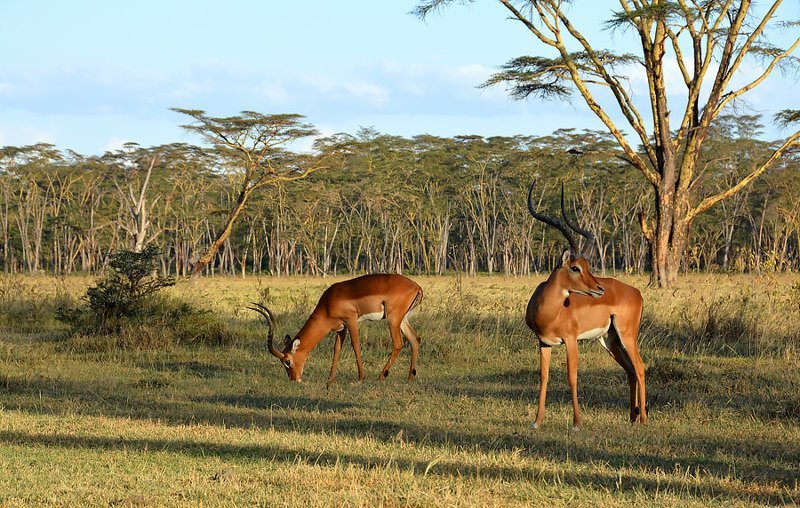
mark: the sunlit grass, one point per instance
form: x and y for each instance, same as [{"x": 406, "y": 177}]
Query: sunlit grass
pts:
[{"x": 222, "y": 426}]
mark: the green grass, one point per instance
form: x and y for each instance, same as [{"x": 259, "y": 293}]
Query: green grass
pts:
[{"x": 222, "y": 425}]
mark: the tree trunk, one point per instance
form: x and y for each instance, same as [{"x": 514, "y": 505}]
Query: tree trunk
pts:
[
  {"x": 223, "y": 235},
  {"x": 669, "y": 239}
]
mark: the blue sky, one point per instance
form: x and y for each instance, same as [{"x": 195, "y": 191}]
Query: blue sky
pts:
[{"x": 91, "y": 75}]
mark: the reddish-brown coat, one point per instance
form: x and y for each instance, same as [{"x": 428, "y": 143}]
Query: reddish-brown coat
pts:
[
  {"x": 339, "y": 309},
  {"x": 573, "y": 304}
]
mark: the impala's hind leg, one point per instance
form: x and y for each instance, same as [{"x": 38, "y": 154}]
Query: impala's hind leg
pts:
[
  {"x": 628, "y": 338},
  {"x": 614, "y": 346},
  {"x": 407, "y": 324},
  {"x": 397, "y": 345},
  {"x": 413, "y": 340}
]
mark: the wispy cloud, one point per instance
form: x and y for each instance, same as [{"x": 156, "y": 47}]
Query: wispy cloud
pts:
[
  {"x": 19, "y": 135},
  {"x": 275, "y": 93},
  {"x": 375, "y": 94},
  {"x": 115, "y": 143}
]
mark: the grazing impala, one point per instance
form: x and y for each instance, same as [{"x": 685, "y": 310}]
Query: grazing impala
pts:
[
  {"x": 573, "y": 305},
  {"x": 374, "y": 297}
]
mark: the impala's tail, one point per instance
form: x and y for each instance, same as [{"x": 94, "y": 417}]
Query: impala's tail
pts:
[{"x": 417, "y": 300}]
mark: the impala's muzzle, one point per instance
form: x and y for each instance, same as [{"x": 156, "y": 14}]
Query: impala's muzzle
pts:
[{"x": 597, "y": 293}]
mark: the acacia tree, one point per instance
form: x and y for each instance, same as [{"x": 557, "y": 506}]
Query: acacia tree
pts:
[
  {"x": 252, "y": 145},
  {"x": 709, "y": 39},
  {"x": 134, "y": 166}
]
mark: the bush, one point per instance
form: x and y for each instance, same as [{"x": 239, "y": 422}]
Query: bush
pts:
[
  {"x": 124, "y": 309},
  {"x": 128, "y": 286},
  {"x": 125, "y": 293}
]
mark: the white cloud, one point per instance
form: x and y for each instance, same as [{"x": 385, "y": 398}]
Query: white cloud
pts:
[
  {"x": 371, "y": 92},
  {"x": 339, "y": 90},
  {"x": 319, "y": 82},
  {"x": 189, "y": 89},
  {"x": 471, "y": 73},
  {"x": 114, "y": 144},
  {"x": 20, "y": 135},
  {"x": 275, "y": 93}
]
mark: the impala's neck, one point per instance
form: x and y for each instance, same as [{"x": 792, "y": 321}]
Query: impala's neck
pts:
[
  {"x": 552, "y": 297},
  {"x": 313, "y": 331}
]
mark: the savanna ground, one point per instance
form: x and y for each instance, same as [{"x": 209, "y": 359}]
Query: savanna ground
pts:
[{"x": 86, "y": 421}]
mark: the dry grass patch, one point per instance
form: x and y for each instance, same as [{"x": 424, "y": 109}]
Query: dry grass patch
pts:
[{"x": 219, "y": 425}]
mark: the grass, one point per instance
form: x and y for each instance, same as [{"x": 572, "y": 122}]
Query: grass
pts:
[{"x": 204, "y": 425}]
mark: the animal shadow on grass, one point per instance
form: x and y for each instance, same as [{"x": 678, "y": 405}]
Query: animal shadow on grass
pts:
[
  {"x": 194, "y": 368},
  {"x": 322, "y": 414},
  {"x": 451, "y": 468}
]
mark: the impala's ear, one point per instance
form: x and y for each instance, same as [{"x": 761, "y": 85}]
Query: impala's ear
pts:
[
  {"x": 295, "y": 345},
  {"x": 565, "y": 258}
]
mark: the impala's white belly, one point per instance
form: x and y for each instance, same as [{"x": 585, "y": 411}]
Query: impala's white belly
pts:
[
  {"x": 595, "y": 333},
  {"x": 372, "y": 316},
  {"x": 588, "y": 334}
]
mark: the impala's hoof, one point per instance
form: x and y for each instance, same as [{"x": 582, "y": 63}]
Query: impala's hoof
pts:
[
  {"x": 535, "y": 426},
  {"x": 575, "y": 428}
]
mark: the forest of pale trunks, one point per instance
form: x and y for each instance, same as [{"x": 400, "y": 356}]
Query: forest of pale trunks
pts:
[{"x": 425, "y": 204}]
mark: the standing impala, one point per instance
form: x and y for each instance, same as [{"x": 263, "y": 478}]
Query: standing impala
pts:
[
  {"x": 572, "y": 305},
  {"x": 374, "y": 297}
]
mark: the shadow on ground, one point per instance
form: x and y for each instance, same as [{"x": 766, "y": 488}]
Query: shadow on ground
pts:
[{"x": 351, "y": 412}]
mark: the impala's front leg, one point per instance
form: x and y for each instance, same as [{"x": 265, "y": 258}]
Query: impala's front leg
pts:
[
  {"x": 572, "y": 377},
  {"x": 352, "y": 326},
  {"x": 544, "y": 375},
  {"x": 337, "y": 350}
]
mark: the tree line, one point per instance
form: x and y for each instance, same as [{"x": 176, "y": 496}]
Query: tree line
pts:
[{"x": 372, "y": 202}]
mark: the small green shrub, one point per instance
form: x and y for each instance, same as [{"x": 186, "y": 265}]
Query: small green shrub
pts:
[
  {"x": 126, "y": 288},
  {"x": 124, "y": 293},
  {"x": 124, "y": 310}
]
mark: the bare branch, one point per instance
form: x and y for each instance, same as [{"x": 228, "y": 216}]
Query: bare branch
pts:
[
  {"x": 710, "y": 201},
  {"x": 776, "y": 60}
]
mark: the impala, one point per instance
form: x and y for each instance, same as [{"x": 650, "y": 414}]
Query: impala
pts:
[
  {"x": 572, "y": 305},
  {"x": 373, "y": 297}
]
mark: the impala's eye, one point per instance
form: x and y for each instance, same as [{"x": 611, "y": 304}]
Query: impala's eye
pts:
[
  {"x": 287, "y": 363},
  {"x": 574, "y": 269}
]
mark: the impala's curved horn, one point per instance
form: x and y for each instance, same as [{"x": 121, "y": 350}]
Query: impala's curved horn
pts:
[
  {"x": 271, "y": 324},
  {"x": 583, "y": 232},
  {"x": 553, "y": 221}
]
